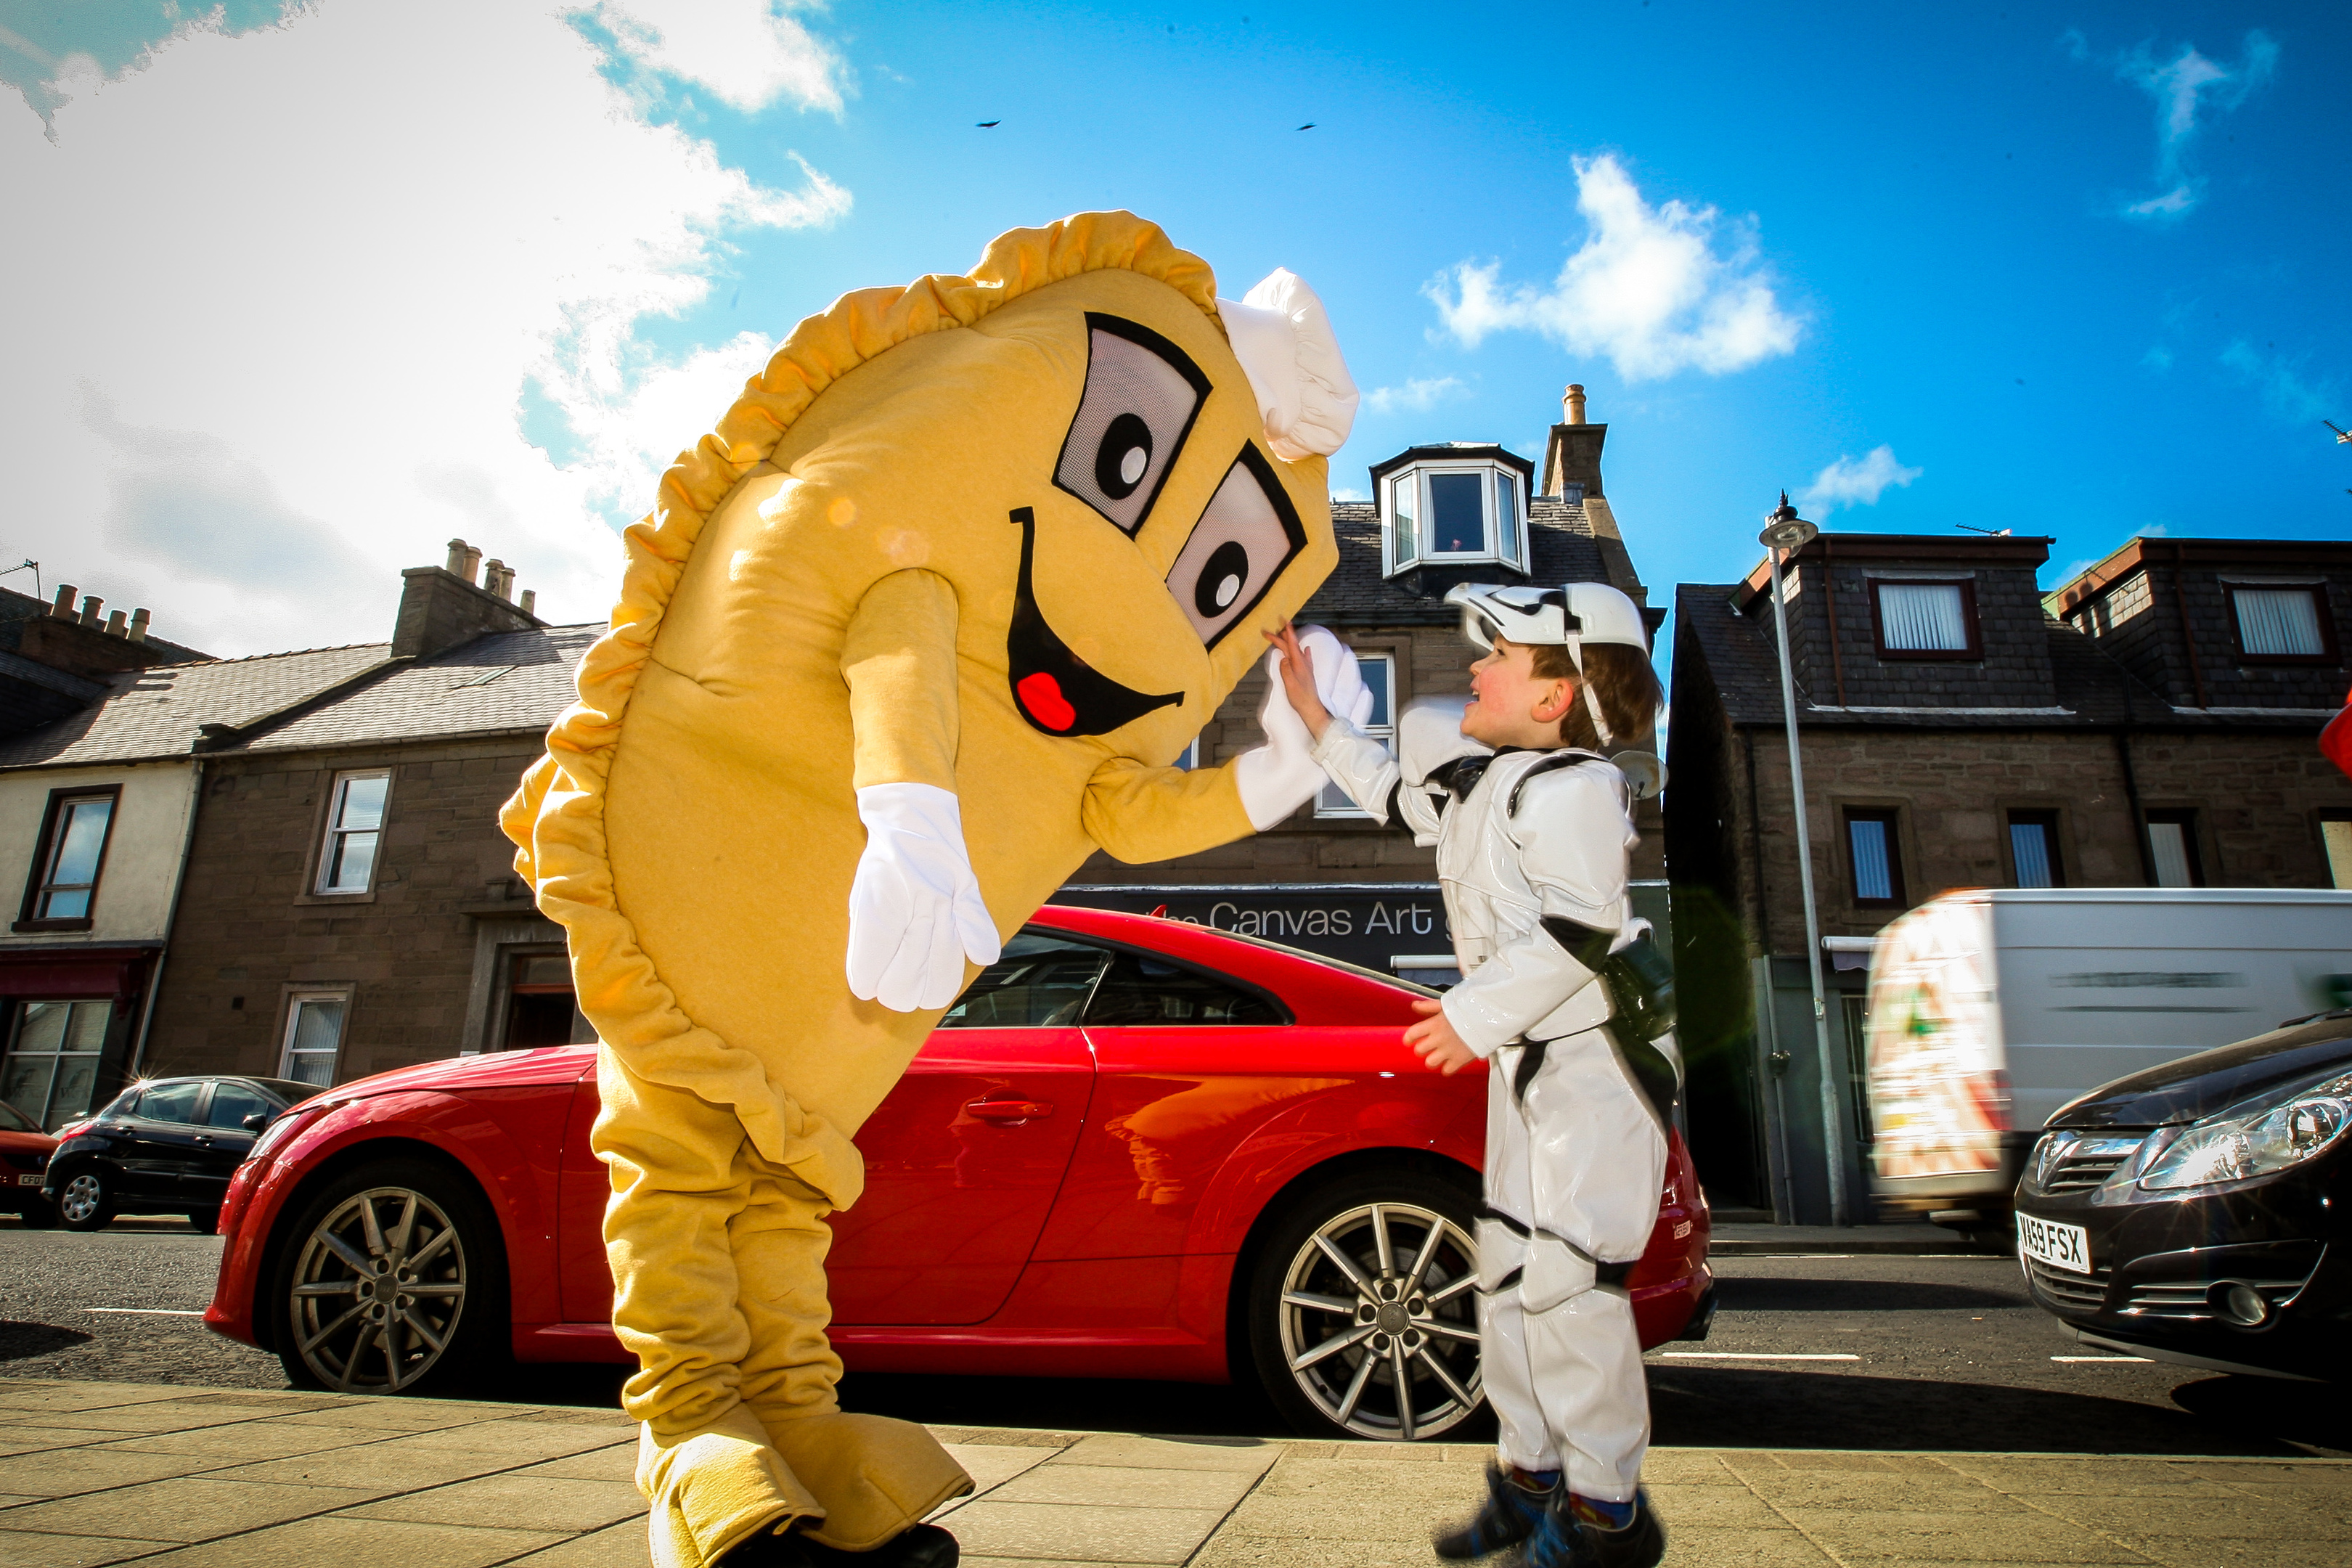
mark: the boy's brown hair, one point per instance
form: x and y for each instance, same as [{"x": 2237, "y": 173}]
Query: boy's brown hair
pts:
[{"x": 1623, "y": 683}]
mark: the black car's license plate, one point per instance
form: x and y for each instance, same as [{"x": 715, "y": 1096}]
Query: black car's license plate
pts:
[{"x": 2059, "y": 1246}]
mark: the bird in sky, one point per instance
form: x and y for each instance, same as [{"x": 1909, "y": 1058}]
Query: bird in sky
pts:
[
  {"x": 1309, "y": 126},
  {"x": 986, "y": 123}
]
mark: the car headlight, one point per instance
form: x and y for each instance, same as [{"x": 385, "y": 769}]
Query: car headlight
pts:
[
  {"x": 2247, "y": 1142},
  {"x": 289, "y": 1122}
]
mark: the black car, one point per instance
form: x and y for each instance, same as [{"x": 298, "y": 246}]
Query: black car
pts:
[
  {"x": 165, "y": 1146},
  {"x": 2188, "y": 1213}
]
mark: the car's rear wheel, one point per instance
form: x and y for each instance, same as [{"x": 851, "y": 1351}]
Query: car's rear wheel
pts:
[
  {"x": 86, "y": 1200},
  {"x": 1362, "y": 1309},
  {"x": 392, "y": 1281}
]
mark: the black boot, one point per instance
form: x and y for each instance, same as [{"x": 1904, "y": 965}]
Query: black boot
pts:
[
  {"x": 1566, "y": 1541},
  {"x": 924, "y": 1546},
  {"x": 1508, "y": 1517}
]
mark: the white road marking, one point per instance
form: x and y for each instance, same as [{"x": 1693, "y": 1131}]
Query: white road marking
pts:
[
  {"x": 2110, "y": 1358},
  {"x": 150, "y": 1312},
  {"x": 1747, "y": 1355}
]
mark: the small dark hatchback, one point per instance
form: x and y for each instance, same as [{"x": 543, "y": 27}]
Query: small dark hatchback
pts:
[
  {"x": 2188, "y": 1213},
  {"x": 165, "y": 1146}
]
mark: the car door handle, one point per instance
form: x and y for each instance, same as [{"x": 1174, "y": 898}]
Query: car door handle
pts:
[
  {"x": 205, "y": 1139},
  {"x": 1009, "y": 1110}
]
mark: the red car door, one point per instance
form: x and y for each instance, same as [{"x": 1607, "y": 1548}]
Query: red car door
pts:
[{"x": 964, "y": 1158}]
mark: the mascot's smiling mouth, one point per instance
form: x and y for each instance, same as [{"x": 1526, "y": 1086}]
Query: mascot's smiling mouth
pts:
[{"x": 1056, "y": 691}]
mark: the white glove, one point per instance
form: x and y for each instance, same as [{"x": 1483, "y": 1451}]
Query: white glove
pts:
[
  {"x": 915, "y": 909},
  {"x": 1281, "y": 775}
]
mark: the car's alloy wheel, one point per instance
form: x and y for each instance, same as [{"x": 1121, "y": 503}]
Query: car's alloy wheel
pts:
[
  {"x": 378, "y": 1291},
  {"x": 1373, "y": 1313},
  {"x": 83, "y": 1203}
]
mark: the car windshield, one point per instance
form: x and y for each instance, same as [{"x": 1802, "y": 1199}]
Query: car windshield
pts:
[{"x": 14, "y": 1120}]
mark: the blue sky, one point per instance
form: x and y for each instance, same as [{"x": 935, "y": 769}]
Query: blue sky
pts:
[{"x": 2065, "y": 271}]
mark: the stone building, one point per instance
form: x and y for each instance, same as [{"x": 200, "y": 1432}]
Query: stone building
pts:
[
  {"x": 2151, "y": 723},
  {"x": 1330, "y": 879}
]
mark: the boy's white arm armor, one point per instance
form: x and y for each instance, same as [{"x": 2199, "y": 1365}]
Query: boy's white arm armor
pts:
[
  {"x": 1570, "y": 837},
  {"x": 1429, "y": 735}
]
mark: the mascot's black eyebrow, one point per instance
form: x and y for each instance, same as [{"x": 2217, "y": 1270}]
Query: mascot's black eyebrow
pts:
[{"x": 1141, "y": 397}]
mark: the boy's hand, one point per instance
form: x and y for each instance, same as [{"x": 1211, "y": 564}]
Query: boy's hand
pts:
[
  {"x": 1298, "y": 680},
  {"x": 1434, "y": 1037}
]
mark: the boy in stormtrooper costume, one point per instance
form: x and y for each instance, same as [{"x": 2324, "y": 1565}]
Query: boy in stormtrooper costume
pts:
[{"x": 1532, "y": 822}]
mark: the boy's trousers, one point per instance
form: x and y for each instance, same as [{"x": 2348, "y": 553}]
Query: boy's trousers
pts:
[
  {"x": 1575, "y": 1160},
  {"x": 719, "y": 1288}
]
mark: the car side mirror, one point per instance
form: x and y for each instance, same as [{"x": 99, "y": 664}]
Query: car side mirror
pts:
[{"x": 257, "y": 1122}]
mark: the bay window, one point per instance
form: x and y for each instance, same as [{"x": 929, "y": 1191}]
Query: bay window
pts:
[{"x": 1454, "y": 511}]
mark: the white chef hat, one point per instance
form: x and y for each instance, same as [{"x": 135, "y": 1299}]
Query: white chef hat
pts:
[{"x": 1283, "y": 338}]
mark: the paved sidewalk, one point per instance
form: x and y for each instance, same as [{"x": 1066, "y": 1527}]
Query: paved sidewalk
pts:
[{"x": 96, "y": 1473}]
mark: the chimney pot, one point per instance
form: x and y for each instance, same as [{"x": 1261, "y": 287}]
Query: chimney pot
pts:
[
  {"x": 531, "y": 601},
  {"x": 494, "y": 577},
  {"x": 137, "y": 625},
  {"x": 90, "y": 607},
  {"x": 114, "y": 624},
  {"x": 473, "y": 563},
  {"x": 62, "y": 606},
  {"x": 1573, "y": 405},
  {"x": 461, "y": 559}
]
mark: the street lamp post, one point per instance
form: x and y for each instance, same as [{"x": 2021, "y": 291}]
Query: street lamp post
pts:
[{"x": 1786, "y": 533}]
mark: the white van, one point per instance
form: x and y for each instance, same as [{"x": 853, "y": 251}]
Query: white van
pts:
[{"x": 1990, "y": 1009}]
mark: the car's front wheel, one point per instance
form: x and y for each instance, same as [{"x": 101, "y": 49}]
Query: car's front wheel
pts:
[
  {"x": 392, "y": 1281},
  {"x": 1362, "y": 1308},
  {"x": 86, "y": 1200}
]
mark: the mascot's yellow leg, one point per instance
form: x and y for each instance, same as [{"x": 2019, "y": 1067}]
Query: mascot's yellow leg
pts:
[{"x": 685, "y": 1178}]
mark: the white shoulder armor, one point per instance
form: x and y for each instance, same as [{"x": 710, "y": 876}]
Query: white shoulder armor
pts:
[{"x": 1429, "y": 736}]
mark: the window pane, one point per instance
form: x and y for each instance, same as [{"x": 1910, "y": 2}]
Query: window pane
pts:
[
  {"x": 1375, "y": 671},
  {"x": 1040, "y": 982},
  {"x": 311, "y": 1066},
  {"x": 81, "y": 834},
  {"x": 233, "y": 1102},
  {"x": 363, "y": 802},
  {"x": 77, "y": 1081},
  {"x": 170, "y": 1101},
  {"x": 355, "y": 858},
  {"x": 87, "y": 1031},
  {"x": 2337, "y": 836},
  {"x": 14, "y": 1120},
  {"x": 318, "y": 1024},
  {"x": 1332, "y": 801},
  {"x": 2029, "y": 845},
  {"x": 24, "y": 1084},
  {"x": 1506, "y": 513},
  {"x": 2167, "y": 843},
  {"x": 1874, "y": 872},
  {"x": 1457, "y": 514},
  {"x": 71, "y": 904},
  {"x": 1404, "y": 514},
  {"x": 1923, "y": 617},
  {"x": 1140, "y": 990},
  {"x": 43, "y": 1027},
  {"x": 2280, "y": 622}
]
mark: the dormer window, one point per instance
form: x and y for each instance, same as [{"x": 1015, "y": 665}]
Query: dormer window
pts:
[{"x": 1450, "y": 511}]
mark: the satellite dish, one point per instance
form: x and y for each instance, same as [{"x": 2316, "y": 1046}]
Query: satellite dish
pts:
[{"x": 1644, "y": 773}]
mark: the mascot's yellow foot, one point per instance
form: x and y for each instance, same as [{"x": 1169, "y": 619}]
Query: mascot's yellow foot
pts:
[
  {"x": 874, "y": 1478},
  {"x": 714, "y": 1488}
]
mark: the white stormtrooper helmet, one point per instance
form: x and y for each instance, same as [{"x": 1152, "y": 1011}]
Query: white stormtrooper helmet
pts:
[{"x": 1571, "y": 616}]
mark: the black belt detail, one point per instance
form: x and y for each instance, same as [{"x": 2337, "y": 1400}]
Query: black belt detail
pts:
[
  {"x": 1531, "y": 1061},
  {"x": 1641, "y": 986},
  {"x": 1488, "y": 1211},
  {"x": 1604, "y": 1273},
  {"x": 1553, "y": 764},
  {"x": 1505, "y": 1283}
]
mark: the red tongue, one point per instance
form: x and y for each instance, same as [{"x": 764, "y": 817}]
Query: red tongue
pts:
[{"x": 1042, "y": 695}]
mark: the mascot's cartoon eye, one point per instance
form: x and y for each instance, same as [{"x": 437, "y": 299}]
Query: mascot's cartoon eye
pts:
[
  {"x": 1244, "y": 539},
  {"x": 1141, "y": 397}
]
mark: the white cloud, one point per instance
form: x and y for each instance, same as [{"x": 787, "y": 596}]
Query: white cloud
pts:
[
  {"x": 2184, "y": 87},
  {"x": 1855, "y": 482},
  {"x": 2157, "y": 358},
  {"x": 2289, "y": 392},
  {"x": 293, "y": 285},
  {"x": 1651, "y": 287},
  {"x": 1418, "y": 397},
  {"x": 749, "y": 53}
]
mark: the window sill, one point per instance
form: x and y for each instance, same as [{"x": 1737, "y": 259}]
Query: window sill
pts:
[
  {"x": 1931, "y": 656},
  {"x": 366, "y": 897},
  {"x": 21, "y": 926}
]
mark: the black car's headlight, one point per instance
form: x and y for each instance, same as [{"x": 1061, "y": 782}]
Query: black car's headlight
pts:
[{"x": 2245, "y": 1141}]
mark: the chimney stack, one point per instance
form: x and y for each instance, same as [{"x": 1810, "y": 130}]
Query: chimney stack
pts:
[
  {"x": 62, "y": 606},
  {"x": 1573, "y": 405},
  {"x": 137, "y": 625},
  {"x": 90, "y": 607}
]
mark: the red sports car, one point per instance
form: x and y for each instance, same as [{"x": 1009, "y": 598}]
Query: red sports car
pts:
[
  {"x": 24, "y": 1152},
  {"x": 1134, "y": 1148}
]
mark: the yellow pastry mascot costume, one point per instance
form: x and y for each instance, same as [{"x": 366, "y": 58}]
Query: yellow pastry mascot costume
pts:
[{"x": 920, "y": 626}]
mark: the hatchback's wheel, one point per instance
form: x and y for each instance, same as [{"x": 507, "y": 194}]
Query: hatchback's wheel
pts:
[
  {"x": 86, "y": 1202},
  {"x": 1362, "y": 1309},
  {"x": 393, "y": 1281}
]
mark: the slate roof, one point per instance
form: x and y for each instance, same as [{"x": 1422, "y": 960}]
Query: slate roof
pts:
[
  {"x": 2092, "y": 689},
  {"x": 155, "y": 712},
  {"x": 506, "y": 682},
  {"x": 1563, "y": 550}
]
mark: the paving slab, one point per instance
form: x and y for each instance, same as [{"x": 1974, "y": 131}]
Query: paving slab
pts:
[{"x": 107, "y": 1474}]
